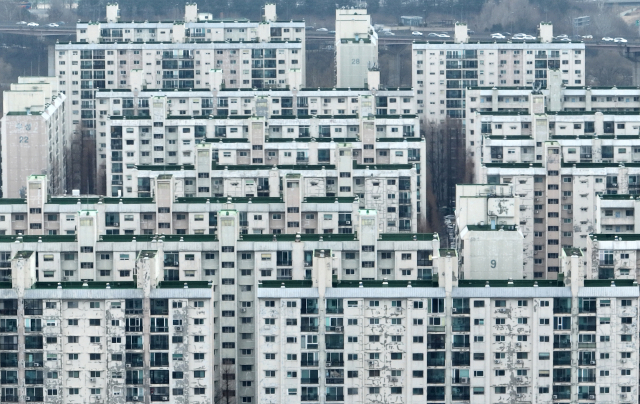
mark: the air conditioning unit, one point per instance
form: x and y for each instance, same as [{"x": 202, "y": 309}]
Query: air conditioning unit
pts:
[
  {"x": 464, "y": 380},
  {"x": 394, "y": 380},
  {"x": 520, "y": 395},
  {"x": 259, "y": 188},
  {"x": 371, "y": 363},
  {"x": 623, "y": 360},
  {"x": 36, "y": 365},
  {"x": 97, "y": 396},
  {"x": 338, "y": 329},
  {"x": 622, "y": 396},
  {"x": 537, "y": 211},
  {"x": 136, "y": 398},
  {"x": 496, "y": 361},
  {"x": 519, "y": 361},
  {"x": 65, "y": 278},
  {"x": 453, "y": 310},
  {"x": 518, "y": 379},
  {"x": 243, "y": 310},
  {"x": 518, "y": 344},
  {"x": 499, "y": 156},
  {"x": 178, "y": 328},
  {"x": 27, "y": 398},
  {"x": 165, "y": 398},
  {"x": 348, "y": 222},
  {"x": 93, "y": 379},
  {"x": 564, "y": 197},
  {"x": 592, "y": 362},
  {"x": 555, "y": 397},
  {"x": 128, "y": 365},
  {"x": 398, "y": 308},
  {"x": 328, "y": 364}
]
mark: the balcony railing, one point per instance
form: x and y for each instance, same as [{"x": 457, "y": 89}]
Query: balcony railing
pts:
[
  {"x": 334, "y": 380},
  {"x": 562, "y": 396},
  {"x": 562, "y": 379},
  {"x": 8, "y": 312},
  {"x": 33, "y": 381},
  {"x": 562, "y": 345},
  {"x": 309, "y": 397},
  {"x": 587, "y": 396},
  {"x": 586, "y": 362},
  {"x": 436, "y": 328},
  {"x": 9, "y": 399},
  {"x": 9, "y": 347},
  {"x": 586, "y": 344},
  {"x": 335, "y": 397},
  {"x": 586, "y": 379},
  {"x": 159, "y": 363},
  {"x": 436, "y": 345},
  {"x": 309, "y": 363},
  {"x": 35, "y": 364},
  {"x": 335, "y": 364},
  {"x": 33, "y": 312},
  {"x": 309, "y": 328},
  {"x": 9, "y": 364},
  {"x": 34, "y": 398},
  {"x": 335, "y": 310},
  {"x": 134, "y": 380},
  {"x": 309, "y": 310}
]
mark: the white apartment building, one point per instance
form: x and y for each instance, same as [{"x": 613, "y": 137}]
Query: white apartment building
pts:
[
  {"x": 171, "y": 271},
  {"x": 240, "y": 143},
  {"x": 176, "y": 55},
  {"x": 356, "y": 47},
  {"x": 34, "y": 134},
  {"x": 451, "y": 343},
  {"x": 443, "y": 70}
]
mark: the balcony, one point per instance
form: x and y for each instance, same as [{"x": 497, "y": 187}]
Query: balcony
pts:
[
  {"x": 436, "y": 345},
  {"x": 335, "y": 397},
  {"x": 335, "y": 364},
  {"x": 562, "y": 379},
  {"x": 461, "y": 344},
  {"x": 587, "y": 396},
  {"x": 32, "y": 312},
  {"x": 460, "y": 380},
  {"x": 34, "y": 381},
  {"x": 9, "y": 399},
  {"x": 309, "y": 397},
  {"x": 159, "y": 398},
  {"x": 586, "y": 379},
  {"x": 309, "y": 364},
  {"x": 309, "y": 328},
  {"x": 34, "y": 398},
  {"x": 8, "y": 312},
  {"x": 134, "y": 380},
  {"x": 586, "y": 345},
  {"x": 8, "y": 347},
  {"x": 309, "y": 310},
  {"x": 306, "y": 380},
  {"x": 561, "y": 396},
  {"x": 460, "y": 397},
  {"x": 136, "y": 363},
  {"x": 283, "y": 263},
  {"x": 435, "y": 396},
  {"x": 436, "y": 328},
  {"x": 344, "y": 222},
  {"x": 9, "y": 364},
  {"x": 335, "y": 310},
  {"x": 562, "y": 345},
  {"x": 302, "y": 160},
  {"x": 561, "y": 361},
  {"x": 586, "y": 362},
  {"x": 334, "y": 380},
  {"x": 8, "y": 381},
  {"x": 159, "y": 363},
  {"x": 34, "y": 364},
  {"x": 561, "y": 309},
  {"x": 339, "y": 329}
]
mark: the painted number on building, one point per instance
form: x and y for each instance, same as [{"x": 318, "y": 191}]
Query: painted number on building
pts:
[
  {"x": 355, "y": 61},
  {"x": 24, "y": 139},
  {"x": 493, "y": 263}
]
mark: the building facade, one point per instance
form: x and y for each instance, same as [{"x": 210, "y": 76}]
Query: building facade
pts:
[{"x": 34, "y": 135}]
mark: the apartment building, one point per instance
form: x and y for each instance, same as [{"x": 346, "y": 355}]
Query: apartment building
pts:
[
  {"x": 176, "y": 55},
  {"x": 240, "y": 143},
  {"x": 443, "y": 70},
  {"x": 135, "y": 339},
  {"x": 356, "y": 47},
  {"x": 460, "y": 341},
  {"x": 230, "y": 262},
  {"x": 34, "y": 134}
]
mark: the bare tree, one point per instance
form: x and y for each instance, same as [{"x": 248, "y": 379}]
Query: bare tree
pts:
[
  {"x": 225, "y": 393},
  {"x": 448, "y": 164},
  {"x": 80, "y": 158}
]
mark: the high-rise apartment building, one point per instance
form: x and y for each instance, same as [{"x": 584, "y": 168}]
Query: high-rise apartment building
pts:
[
  {"x": 176, "y": 55},
  {"x": 442, "y": 70},
  {"x": 356, "y": 47},
  {"x": 34, "y": 135}
]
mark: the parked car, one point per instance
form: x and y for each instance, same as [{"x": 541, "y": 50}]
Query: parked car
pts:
[
  {"x": 607, "y": 39},
  {"x": 389, "y": 33},
  {"x": 619, "y": 40},
  {"x": 497, "y": 36},
  {"x": 322, "y": 30},
  {"x": 21, "y": 23},
  {"x": 417, "y": 33},
  {"x": 587, "y": 37},
  {"x": 52, "y": 25},
  {"x": 33, "y": 24},
  {"x": 433, "y": 34},
  {"x": 444, "y": 36}
]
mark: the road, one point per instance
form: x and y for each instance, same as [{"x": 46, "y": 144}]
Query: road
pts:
[{"x": 42, "y": 30}]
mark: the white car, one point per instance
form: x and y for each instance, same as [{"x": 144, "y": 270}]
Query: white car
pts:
[
  {"x": 497, "y": 36},
  {"x": 565, "y": 40},
  {"x": 389, "y": 33},
  {"x": 433, "y": 34},
  {"x": 619, "y": 40},
  {"x": 607, "y": 39},
  {"x": 21, "y": 23},
  {"x": 53, "y": 25},
  {"x": 417, "y": 33},
  {"x": 444, "y": 36},
  {"x": 322, "y": 30},
  {"x": 562, "y": 36},
  {"x": 33, "y": 24},
  {"x": 587, "y": 37}
]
